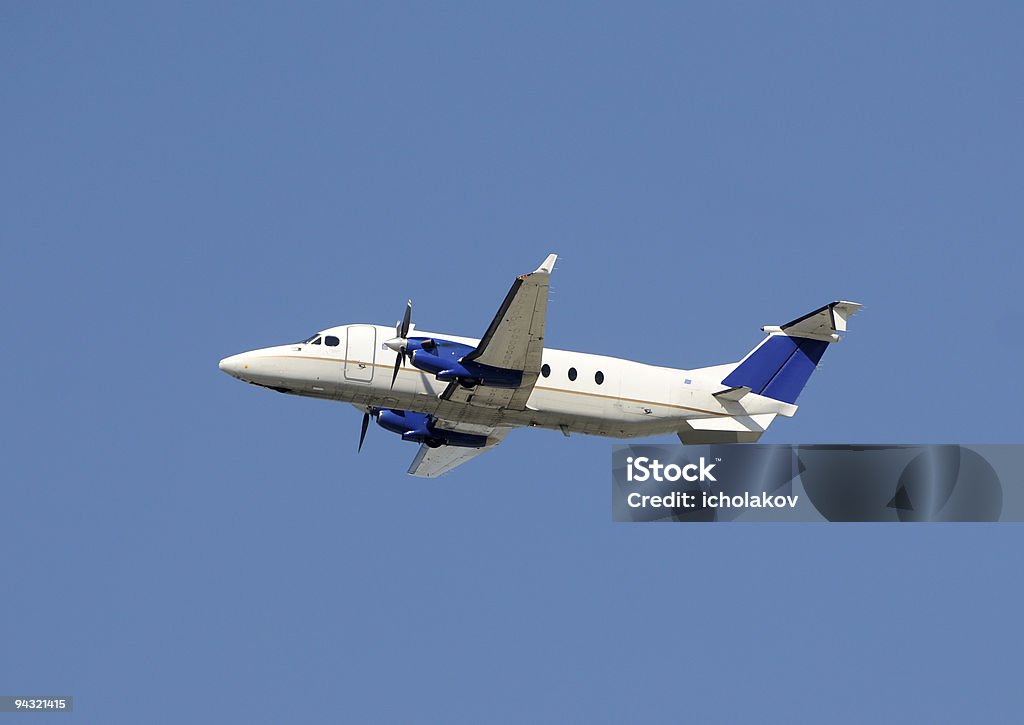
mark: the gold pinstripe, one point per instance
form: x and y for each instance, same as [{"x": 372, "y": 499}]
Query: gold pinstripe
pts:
[{"x": 536, "y": 387}]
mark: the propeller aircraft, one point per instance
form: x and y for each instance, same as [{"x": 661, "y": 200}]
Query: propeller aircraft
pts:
[{"x": 458, "y": 397}]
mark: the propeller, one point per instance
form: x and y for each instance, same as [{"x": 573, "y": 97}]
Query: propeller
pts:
[
  {"x": 400, "y": 342},
  {"x": 362, "y": 432}
]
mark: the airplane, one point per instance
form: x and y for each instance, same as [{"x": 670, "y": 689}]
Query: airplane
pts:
[{"x": 459, "y": 396}]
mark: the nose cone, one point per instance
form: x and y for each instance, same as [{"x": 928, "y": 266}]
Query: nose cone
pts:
[{"x": 233, "y": 366}]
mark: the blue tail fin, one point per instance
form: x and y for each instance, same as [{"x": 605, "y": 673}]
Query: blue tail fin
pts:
[{"x": 781, "y": 365}]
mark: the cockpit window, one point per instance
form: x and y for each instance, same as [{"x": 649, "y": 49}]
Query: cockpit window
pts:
[
  {"x": 331, "y": 341},
  {"x": 310, "y": 339},
  {"x": 316, "y": 341}
]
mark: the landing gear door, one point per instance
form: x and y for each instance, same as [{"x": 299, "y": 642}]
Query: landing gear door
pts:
[{"x": 362, "y": 346}]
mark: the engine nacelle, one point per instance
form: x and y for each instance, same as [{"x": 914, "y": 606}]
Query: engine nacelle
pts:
[
  {"x": 419, "y": 428},
  {"x": 443, "y": 358}
]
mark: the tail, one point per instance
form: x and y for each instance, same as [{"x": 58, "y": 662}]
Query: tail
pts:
[{"x": 781, "y": 365}]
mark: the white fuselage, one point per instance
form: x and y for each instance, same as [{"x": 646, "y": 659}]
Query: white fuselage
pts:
[{"x": 633, "y": 399}]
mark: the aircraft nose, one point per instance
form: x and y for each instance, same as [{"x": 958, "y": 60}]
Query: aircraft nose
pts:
[{"x": 232, "y": 365}]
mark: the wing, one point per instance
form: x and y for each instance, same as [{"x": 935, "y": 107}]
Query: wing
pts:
[
  {"x": 432, "y": 462},
  {"x": 513, "y": 341}
]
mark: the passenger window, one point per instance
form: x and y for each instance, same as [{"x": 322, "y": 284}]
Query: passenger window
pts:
[
  {"x": 331, "y": 341},
  {"x": 598, "y": 377},
  {"x": 572, "y": 373},
  {"x": 545, "y": 369}
]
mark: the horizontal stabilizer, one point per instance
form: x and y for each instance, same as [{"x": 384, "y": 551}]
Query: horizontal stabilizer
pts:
[
  {"x": 822, "y": 324},
  {"x": 732, "y": 393},
  {"x": 738, "y": 429},
  {"x": 752, "y": 423}
]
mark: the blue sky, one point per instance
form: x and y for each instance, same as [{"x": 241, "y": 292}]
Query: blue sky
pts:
[{"x": 185, "y": 182}]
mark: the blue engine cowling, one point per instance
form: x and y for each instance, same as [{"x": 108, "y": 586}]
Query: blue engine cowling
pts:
[
  {"x": 443, "y": 359},
  {"x": 419, "y": 427}
]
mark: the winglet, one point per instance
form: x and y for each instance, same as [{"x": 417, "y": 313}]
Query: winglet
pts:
[{"x": 548, "y": 265}]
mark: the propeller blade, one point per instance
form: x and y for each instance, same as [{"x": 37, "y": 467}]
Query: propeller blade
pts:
[
  {"x": 362, "y": 433},
  {"x": 404, "y": 331},
  {"x": 399, "y": 358}
]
